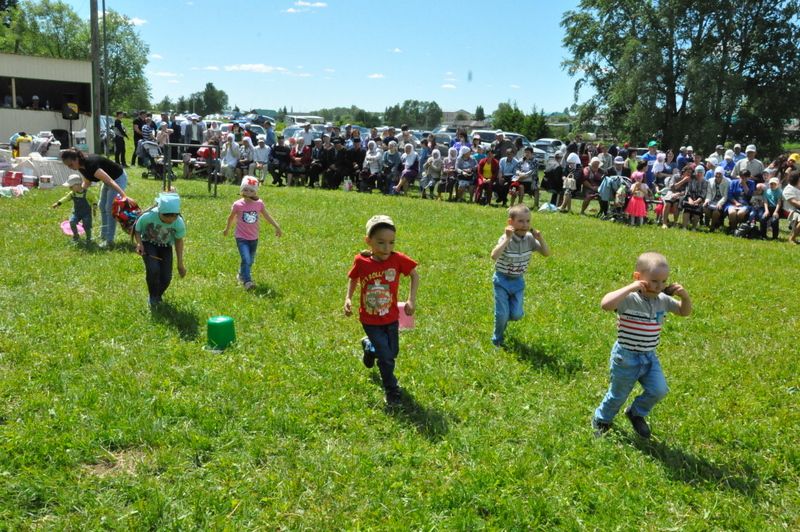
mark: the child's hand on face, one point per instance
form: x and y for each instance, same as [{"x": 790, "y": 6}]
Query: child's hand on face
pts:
[
  {"x": 639, "y": 285},
  {"x": 675, "y": 290},
  {"x": 509, "y": 231}
]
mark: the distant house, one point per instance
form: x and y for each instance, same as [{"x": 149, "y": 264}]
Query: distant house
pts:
[
  {"x": 449, "y": 117},
  {"x": 55, "y": 83}
]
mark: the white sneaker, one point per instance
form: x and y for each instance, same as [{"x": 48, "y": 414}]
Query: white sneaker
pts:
[{"x": 249, "y": 285}]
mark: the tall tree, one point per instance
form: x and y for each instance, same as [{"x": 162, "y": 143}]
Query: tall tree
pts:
[
  {"x": 666, "y": 69},
  {"x": 214, "y": 100},
  {"x": 480, "y": 114},
  {"x": 128, "y": 87}
]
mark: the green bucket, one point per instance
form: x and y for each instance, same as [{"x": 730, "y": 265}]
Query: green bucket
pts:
[{"x": 221, "y": 332}]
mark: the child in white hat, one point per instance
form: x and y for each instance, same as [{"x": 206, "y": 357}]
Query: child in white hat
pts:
[
  {"x": 84, "y": 206},
  {"x": 245, "y": 211}
]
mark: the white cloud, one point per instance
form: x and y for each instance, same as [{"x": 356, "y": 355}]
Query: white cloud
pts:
[
  {"x": 376, "y": 76},
  {"x": 136, "y": 21},
  {"x": 310, "y": 4},
  {"x": 396, "y": 51},
  {"x": 255, "y": 67},
  {"x": 514, "y": 86},
  {"x": 331, "y": 70},
  {"x": 448, "y": 74},
  {"x": 165, "y": 74},
  {"x": 211, "y": 68},
  {"x": 448, "y": 86},
  {"x": 449, "y": 79},
  {"x": 293, "y": 10},
  {"x": 173, "y": 81},
  {"x": 156, "y": 56}
]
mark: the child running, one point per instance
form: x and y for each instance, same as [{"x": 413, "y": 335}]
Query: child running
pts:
[
  {"x": 84, "y": 207},
  {"x": 512, "y": 254},
  {"x": 378, "y": 272},
  {"x": 641, "y": 308},
  {"x": 245, "y": 211},
  {"x": 156, "y": 231}
]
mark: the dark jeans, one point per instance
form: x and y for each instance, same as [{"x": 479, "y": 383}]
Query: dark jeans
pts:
[
  {"x": 119, "y": 150},
  {"x": 771, "y": 222},
  {"x": 158, "y": 269},
  {"x": 386, "y": 340},
  {"x": 502, "y": 190},
  {"x": 136, "y": 139}
]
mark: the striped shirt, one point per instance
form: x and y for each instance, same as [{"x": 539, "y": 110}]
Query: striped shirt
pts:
[
  {"x": 639, "y": 320},
  {"x": 515, "y": 258}
]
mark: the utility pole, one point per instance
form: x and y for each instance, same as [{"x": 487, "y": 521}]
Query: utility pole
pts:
[
  {"x": 106, "y": 111},
  {"x": 96, "y": 101}
]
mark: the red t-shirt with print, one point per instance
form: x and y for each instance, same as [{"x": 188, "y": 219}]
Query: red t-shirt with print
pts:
[{"x": 379, "y": 281}]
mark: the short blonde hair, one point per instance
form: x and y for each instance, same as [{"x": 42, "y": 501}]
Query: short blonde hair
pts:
[
  {"x": 651, "y": 261},
  {"x": 518, "y": 210}
]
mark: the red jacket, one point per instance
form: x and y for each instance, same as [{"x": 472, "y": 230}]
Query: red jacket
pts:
[{"x": 495, "y": 168}]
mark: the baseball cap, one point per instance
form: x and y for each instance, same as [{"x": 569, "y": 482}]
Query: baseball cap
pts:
[
  {"x": 73, "y": 179},
  {"x": 652, "y": 144},
  {"x": 751, "y": 147},
  {"x": 378, "y": 219}
]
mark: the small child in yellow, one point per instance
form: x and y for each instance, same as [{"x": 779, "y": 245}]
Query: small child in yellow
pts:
[{"x": 84, "y": 206}]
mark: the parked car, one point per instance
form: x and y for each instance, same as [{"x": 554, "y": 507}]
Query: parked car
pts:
[
  {"x": 106, "y": 133},
  {"x": 556, "y": 144},
  {"x": 444, "y": 128}
]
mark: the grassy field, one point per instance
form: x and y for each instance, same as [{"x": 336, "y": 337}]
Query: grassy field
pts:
[{"x": 113, "y": 417}]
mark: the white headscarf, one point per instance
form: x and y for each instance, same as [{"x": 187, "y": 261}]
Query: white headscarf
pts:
[
  {"x": 409, "y": 158},
  {"x": 464, "y": 150},
  {"x": 436, "y": 154}
]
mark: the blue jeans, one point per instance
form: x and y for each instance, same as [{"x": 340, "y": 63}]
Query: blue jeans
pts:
[
  {"x": 508, "y": 294},
  {"x": 386, "y": 341},
  {"x": 247, "y": 251},
  {"x": 628, "y": 367},
  {"x": 158, "y": 269},
  {"x": 85, "y": 218},
  {"x": 108, "y": 225}
]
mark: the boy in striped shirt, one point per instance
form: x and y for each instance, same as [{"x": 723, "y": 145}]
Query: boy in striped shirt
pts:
[
  {"x": 641, "y": 307},
  {"x": 512, "y": 255}
]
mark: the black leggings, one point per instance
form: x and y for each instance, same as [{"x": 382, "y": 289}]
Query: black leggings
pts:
[{"x": 158, "y": 269}]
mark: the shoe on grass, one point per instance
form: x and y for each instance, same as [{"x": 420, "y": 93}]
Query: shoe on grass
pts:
[
  {"x": 600, "y": 427},
  {"x": 393, "y": 398},
  {"x": 249, "y": 285},
  {"x": 369, "y": 352},
  {"x": 640, "y": 426}
]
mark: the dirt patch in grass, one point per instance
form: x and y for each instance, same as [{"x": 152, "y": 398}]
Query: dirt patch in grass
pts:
[{"x": 119, "y": 463}]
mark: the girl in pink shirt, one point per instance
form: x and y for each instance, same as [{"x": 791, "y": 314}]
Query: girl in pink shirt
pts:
[{"x": 245, "y": 211}]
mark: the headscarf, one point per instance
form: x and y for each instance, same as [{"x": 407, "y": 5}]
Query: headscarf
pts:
[
  {"x": 452, "y": 153},
  {"x": 436, "y": 154},
  {"x": 464, "y": 151}
]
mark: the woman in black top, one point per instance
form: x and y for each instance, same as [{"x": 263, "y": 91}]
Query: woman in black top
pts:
[{"x": 96, "y": 168}]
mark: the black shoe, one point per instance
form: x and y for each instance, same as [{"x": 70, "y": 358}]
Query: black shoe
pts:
[
  {"x": 369, "y": 355},
  {"x": 393, "y": 398},
  {"x": 640, "y": 426},
  {"x": 600, "y": 427}
]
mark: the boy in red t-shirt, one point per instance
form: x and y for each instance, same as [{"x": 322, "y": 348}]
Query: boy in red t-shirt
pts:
[{"x": 378, "y": 272}]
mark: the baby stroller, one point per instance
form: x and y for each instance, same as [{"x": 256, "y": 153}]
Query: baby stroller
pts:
[
  {"x": 621, "y": 195},
  {"x": 159, "y": 166}
]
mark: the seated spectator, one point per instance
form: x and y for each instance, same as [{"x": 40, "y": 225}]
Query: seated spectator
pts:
[
  {"x": 431, "y": 174},
  {"x": 449, "y": 179},
  {"x": 299, "y": 159},
  {"x": 751, "y": 164},
  {"x": 553, "y": 180},
  {"x": 695, "y": 197},
  {"x": 371, "y": 168},
  {"x": 526, "y": 179},
  {"x": 315, "y": 167},
  {"x": 246, "y": 154},
  {"x": 592, "y": 177},
  {"x": 773, "y": 203},
  {"x": 260, "y": 164},
  {"x": 279, "y": 165},
  {"x": 671, "y": 194},
  {"x": 507, "y": 171},
  {"x": 716, "y": 198},
  {"x": 466, "y": 174},
  {"x": 229, "y": 159},
  {"x": 409, "y": 171},
  {"x": 488, "y": 175},
  {"x": 738, "y": 205},
  {"x": 390, "y": 167},
  {"x": 791, "y": 202},
  {"x": 355, "y": 158}
]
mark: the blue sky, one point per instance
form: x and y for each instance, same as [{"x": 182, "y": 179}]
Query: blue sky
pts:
[{"x": 313, "y": 54}]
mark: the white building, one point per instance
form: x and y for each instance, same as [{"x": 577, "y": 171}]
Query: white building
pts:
[{"x": 56, "y": 82}]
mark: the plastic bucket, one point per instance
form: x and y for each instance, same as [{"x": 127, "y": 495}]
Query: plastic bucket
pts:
[{"x": 221, "y": 332}]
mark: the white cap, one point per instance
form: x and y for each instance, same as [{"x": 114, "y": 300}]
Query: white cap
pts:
[
  {"x": 719, "y": 170},
  {"x": 750, "y": 148}
]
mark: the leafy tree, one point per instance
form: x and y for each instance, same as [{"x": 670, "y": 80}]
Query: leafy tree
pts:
[
  {"x": 128, "y": 87},
  {"x": 508, "y": 117},
  {"x": 480, "y": 114},
  {"x": 393, "y": 115},
  {"x": 670, "y": 68},
  {"x": 214, "y": 100},
  {"x": 433, "y": 115},
  {"x": 181, "y": 105},
  {"x": 460, "y": 117},
  {"x": 165, "y": 104},
  {"x": 44, "y": 28}
]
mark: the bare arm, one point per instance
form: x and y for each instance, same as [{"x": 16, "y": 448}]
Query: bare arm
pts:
[
  {"x": 348, "y": 303},
  {"x": 411, "y": 303},
  {"x": 105, "y": 178},
  {"x": 612, "y": 299},
  {"x": 501, "y": 247},
  {"x": 231, "y": 218},
  {"x": 268, "y": 218},
  {"x": 544, "y": 248},
  {"x": 179, "y": 256},
  {"x": 686, "y": 302}
]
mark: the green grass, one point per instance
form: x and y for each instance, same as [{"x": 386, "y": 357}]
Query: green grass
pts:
[{"x": 111, "y": 417}]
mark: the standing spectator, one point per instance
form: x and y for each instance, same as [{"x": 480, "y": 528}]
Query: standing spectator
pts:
[
  {"x": 791, "y": 202},
  {"x": 606, "y": 160},
  {"x": 750, "y": 163},
  {"x": 120, "y": 134},
  {"x": 138, "y": 123},
  {"x": 269, "y": 139},
  {"x": 553, "y": 180},
  {"x": 501, "y": 144},
  {"x": 507, "y": 171},
  {"x": 307, "y": 135},
  {"x": 650, "y": 157},
  {"x": 229, "y": 156}
]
